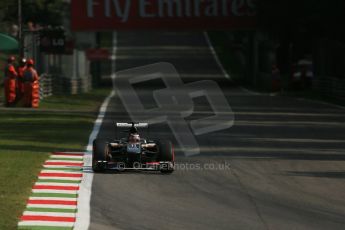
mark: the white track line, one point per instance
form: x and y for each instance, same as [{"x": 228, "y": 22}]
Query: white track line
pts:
[
  {"x": 58, "y": 178},
  {"x": 52, "y": 198},
  {"x": 56, "y": 184},
  {"x": 251, "y": 92},
  {"x": 54, "y": 191},
  {"x": 219, "y": 63},
  {"x": 56, "y": 206},
  {"x": 214, "y": 53},
  {"x": 69, "y": 153},
  {"x": 65, "y": 161},
  {"x": 60, "y": 171},
  {"x": 66, "y": 157},
  {"x": 46, "y": 223},
  {"x": 60, "y": 214},
  {"x": 62, "y": 166},
  {"x": 83, "y": 214}
]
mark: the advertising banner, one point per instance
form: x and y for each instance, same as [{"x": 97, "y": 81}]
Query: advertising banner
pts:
[{"x": 95, "y": 15}]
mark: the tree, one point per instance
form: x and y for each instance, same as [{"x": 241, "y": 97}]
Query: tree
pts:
[{"x": 43, "y": 12}]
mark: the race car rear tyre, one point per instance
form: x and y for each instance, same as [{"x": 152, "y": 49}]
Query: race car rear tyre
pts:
[
  {"x": 99, "y": 154},
  {"x": 166, "y": 153}
]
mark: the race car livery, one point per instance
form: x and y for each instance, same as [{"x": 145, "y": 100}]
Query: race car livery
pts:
[{"x": 132, "y": 152}]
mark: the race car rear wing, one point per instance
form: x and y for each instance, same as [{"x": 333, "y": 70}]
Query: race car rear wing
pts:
[{"x": 131, "y": 124}]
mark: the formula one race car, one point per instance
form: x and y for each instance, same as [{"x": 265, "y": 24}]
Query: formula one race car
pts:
[{"x": 132, "y": 152}]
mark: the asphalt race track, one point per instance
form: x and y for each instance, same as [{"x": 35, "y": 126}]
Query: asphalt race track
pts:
[{"x": 284, "y": 158}]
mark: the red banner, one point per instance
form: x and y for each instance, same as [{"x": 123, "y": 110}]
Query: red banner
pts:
[{"x": 94, "y": 15}]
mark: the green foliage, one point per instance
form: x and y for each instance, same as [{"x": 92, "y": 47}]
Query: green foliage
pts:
[
  {"x": 27, "y": 137},
  {"x": 18, "y": 170},
  {"x": 44, "y": 12}
]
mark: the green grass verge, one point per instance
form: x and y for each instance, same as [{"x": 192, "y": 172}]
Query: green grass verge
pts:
[
  {"x": 86, "y": 101},
  {"x": 27, "y": 138},
  {"x": 18, "y": 170}
]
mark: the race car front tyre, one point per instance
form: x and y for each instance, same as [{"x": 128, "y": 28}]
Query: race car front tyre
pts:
[
  {"x": 100, "y": 148},
  {"x": 166, "y": 154}
]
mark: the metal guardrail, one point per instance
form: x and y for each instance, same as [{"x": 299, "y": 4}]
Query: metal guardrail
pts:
[
  {"x": 46, "y": 86},
  {"x": 51, "y": 84}
]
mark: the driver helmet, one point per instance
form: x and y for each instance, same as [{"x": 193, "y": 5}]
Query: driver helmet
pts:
[
  {"x": 30, "y": 62},
  {"x": 134, "y": 138}
]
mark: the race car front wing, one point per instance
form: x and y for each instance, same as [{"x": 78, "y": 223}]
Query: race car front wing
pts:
[{"x": 149, "y": 166}]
